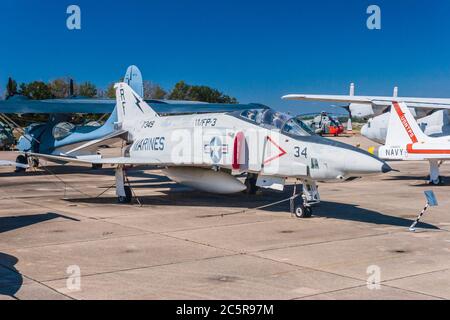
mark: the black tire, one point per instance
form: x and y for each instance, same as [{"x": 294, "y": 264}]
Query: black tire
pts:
[
  {"x": 302, "y": 212},
  {"x": 35, "y": 162},
  {"x": 23, "y": 160},
  {"x": 97, "y": 166},
  {"x": 440, "y": 182},
  {"x": 128, "y": 196},
  {"x": 250, "y": 183}
]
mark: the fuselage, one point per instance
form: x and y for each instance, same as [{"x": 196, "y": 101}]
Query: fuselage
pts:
[{"x": 255, "y": 141}]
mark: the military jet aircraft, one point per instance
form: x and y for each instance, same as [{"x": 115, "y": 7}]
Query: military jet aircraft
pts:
[
  {"x": 209, "y": 151},
  {"x": 406, "y": 141}
]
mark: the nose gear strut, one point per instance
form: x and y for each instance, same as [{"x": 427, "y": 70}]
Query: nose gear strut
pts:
[{"x": 302, "y": 208}]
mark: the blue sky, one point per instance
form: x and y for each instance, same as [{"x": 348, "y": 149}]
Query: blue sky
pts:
[{"x": 254, "y": 50}]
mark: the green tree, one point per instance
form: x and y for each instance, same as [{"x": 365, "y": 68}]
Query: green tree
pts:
[
  {"x": 180, "y": 91},
  {"x": 36, "y": 90},
  {"x": 110, "y": 91},
  {"x": 153, "y": 91},
  {"x": 183, "y": 91},
  {"x": 11, "y": 87},
  {"x": 87, "y": 89},
  {"x": 60, "y": 87}
]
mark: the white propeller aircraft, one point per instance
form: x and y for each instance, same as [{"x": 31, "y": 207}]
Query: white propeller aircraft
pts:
[
  {"x": 209, "y": 151},
  {"x": 406, "y": 141},
  {"x": 432, "y": 113}
]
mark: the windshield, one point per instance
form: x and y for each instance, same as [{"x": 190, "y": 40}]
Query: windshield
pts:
[
  {"x": 62, "y": 130},
  {"x": 277, "y": 120},
  {"x": 297, "y": 127},
  {"x": 267, "y": 117}
]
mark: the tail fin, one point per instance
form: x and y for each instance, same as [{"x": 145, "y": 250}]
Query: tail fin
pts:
[
  {"x": 133, "y": 78},
  {"x": 130, "y": 106},
  {"x": 403, "y": 128}
]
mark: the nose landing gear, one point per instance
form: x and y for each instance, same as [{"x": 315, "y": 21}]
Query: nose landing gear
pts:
[
  {"x": 301, "y": 204},
  {"x": 435, "y": 178},
  {"x": 301, "y": 211}
]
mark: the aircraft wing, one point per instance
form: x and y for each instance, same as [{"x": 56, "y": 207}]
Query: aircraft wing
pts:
[
  {"x": 20, "y": 104},
  {"x": 112, "y": 160},
  {"x": 23, "y": 105},
  {"x": 95, "y": 143},
  {"x": 435, "y": 103}
]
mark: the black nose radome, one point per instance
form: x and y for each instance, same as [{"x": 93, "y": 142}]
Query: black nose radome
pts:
[{"x": 386, "y": 168}]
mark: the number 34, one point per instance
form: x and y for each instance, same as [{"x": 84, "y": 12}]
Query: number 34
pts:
[{"x": 303, "y": 153}]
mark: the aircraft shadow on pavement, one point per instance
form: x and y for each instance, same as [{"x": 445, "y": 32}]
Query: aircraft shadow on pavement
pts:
[
  {"x": 188, "y": 197},
  {"x": 350, "y": 212},
  {"x": 10, "y": 278},
  {"x": 422, "y": 179},
  {"x": 17, "y": 222}
]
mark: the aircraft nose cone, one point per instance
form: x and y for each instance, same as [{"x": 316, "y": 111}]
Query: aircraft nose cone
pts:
[
  {"x": 363, "y": 163},
  {"x": 364, "y": 130},
  {"x": 386, "y": 168}
]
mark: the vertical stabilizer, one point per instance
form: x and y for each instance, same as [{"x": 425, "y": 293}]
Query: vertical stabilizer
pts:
[
  {"x": 403, "y": 128},
  {"x": 133, "y": 77},
  {"x": 131, "y": 107}
]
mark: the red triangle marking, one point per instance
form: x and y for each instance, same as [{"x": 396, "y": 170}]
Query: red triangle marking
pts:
[{"x": 282, "y": 151}]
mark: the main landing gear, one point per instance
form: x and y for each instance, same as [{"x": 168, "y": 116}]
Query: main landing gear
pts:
[
  {"x": 301, "y": 204},
  {"x": 250, "y": 183},
  {"x": 23, "y": 159},
  {"x": 435, "y": 178},
  {"x": 123, "y": 192}
]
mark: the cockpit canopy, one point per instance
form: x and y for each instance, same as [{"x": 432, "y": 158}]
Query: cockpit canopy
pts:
[
  {"x": 271, "y": 119},
  {"x": 62, "y": 130}
]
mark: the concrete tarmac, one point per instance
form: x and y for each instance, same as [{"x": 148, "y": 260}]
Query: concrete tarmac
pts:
[{"x": 63, "y": 221}]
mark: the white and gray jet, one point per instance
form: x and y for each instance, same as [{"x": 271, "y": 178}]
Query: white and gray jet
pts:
[{"x": 209, "y": 151}]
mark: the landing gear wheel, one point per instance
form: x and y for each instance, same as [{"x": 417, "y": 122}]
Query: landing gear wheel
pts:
[
  {"x": 301, "y": 211},
  {"x": 35, "y": 162},
  {"x": 128, "y": 196},
  {"x": 439, "y": 181},
  {"x": 250, "y": 183},
  {"x": 96, "y": 166},
  {"x": 23, "y": 160}
]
